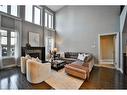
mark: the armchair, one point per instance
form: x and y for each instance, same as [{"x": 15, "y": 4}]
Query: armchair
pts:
[
  {"x": 23, "y": 64},
  {"x": 36, "y": 71}
]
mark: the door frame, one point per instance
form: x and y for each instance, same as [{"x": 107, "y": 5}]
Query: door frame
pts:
[{"x": 117, "y": 49}]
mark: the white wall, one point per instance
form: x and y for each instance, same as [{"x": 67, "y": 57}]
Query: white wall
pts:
[{"x": 78, "y": 27}]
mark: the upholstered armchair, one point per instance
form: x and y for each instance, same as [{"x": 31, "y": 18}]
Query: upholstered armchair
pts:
[
  {"x": 37, "y": 72},
  {"x": 23, "y": 64}
]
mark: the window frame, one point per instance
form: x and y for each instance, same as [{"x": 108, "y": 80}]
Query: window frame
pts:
[
  {"x": 52, "y": 19},
  {"x": 8, "y": 46},
  {"x": 32, "y": 12},
  {"x": 40, "y": 23},
  {"x": 6, "y": 9},
  {"x": 16, "y": 10}
]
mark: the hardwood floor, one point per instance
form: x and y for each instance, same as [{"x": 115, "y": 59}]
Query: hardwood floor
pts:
[
  {"x": 100, "y": 78},
  {"x": 105, "y": 78}
]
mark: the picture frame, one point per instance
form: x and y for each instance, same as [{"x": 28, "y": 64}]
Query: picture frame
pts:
[{"x": 34, "y": 39}]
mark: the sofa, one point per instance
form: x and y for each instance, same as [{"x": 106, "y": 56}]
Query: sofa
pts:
[
  {"x": 70, "y": 57},
  {"x": 80, "y": 68}
]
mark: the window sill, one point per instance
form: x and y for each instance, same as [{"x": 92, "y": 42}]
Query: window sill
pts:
[
  {"x": 8, "y": 57},
  {"x": 50, "y": 29},
  {"x": 9, "y": 15},
  {"x": 31, "y": 23}
]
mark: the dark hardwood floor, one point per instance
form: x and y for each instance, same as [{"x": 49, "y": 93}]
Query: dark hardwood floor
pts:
[
  {"x": 100, "y": 78},
  {"x": 105, "y": 78}
]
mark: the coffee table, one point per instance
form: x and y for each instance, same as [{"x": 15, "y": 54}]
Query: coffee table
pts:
[{"x": 57, "y": 64}]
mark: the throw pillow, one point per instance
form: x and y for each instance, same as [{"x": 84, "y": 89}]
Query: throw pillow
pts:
[
  {"x": 88, "y": 58},
  {"x": 28, "y": 56},
  {"x": 33, "y": 59},
  {"x": 38, "y": 60},
  {"x": 81, "y": 57}
]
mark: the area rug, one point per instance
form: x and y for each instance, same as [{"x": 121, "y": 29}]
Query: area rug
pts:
[{"x": 60, "y": 80}]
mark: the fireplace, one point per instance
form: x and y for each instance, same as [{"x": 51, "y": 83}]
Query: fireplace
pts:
[{"x": 34, "y": 52}]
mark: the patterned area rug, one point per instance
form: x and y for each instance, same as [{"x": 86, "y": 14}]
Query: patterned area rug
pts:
[{"x": 60, "y": 80}]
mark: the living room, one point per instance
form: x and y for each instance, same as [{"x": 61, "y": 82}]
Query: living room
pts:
[{"x": 66, "y": 40}]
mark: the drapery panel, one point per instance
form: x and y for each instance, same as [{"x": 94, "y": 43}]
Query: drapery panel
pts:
[{"x": 49, "y": 38}]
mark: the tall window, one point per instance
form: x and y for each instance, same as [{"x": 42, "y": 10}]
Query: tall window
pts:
[
  {"x": 48, "y": 20},
  {"x": 8, "y": 40},
  {"x": 3, "y": 8},
  {"x": 37, "y": 15},
  {"x": 28, "y": 13},
  {"x": 14, "y": 10}
]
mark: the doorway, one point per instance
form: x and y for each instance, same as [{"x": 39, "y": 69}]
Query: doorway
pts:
[{"x": 109, "y": 50}]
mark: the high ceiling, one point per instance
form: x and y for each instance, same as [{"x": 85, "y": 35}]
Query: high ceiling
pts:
[{"x": 55, "y": 7}]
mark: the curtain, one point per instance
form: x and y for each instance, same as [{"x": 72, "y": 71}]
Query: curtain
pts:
[{"x": 18, "y": 29}]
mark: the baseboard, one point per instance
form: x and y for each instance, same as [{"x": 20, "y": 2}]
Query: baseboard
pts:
[{"x": 120, "y": 70}]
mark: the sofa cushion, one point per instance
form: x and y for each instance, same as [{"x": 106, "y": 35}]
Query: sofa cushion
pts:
[
  {"x": 67, "y": 55},
  {"x": 77, "y": 67},
  {"x": 28, "y": 56},
  {"x": 71, "y": 55},
  {"x": 78, "y": 62}
]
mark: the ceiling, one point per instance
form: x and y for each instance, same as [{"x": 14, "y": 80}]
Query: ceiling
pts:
[{"x": 55, "y": 7}]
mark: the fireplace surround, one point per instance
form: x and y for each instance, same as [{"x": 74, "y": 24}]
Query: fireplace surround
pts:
[{"x": 34, "y": 52}]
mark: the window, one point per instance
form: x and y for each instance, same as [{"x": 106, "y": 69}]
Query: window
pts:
[
  {"x": 8, "y": 40},
  {"x": 28, "y": 13},
  {"x": 49, "y": 20},
  {"x": 37, "y": 15},
  {"x": 14, "y": 10},
  {"x": 3, "y": 8},
  {"x": 46, "y": 20},
  {"x": 52, "y": 22}
]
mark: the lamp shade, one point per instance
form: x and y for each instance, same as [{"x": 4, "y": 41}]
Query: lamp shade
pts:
[{"x": 55, "y": 49}]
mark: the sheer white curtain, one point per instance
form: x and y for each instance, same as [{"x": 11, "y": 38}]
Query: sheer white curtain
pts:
[
  {"x": 49, "y": 41},
  {"x": 18, "y": 28}
]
